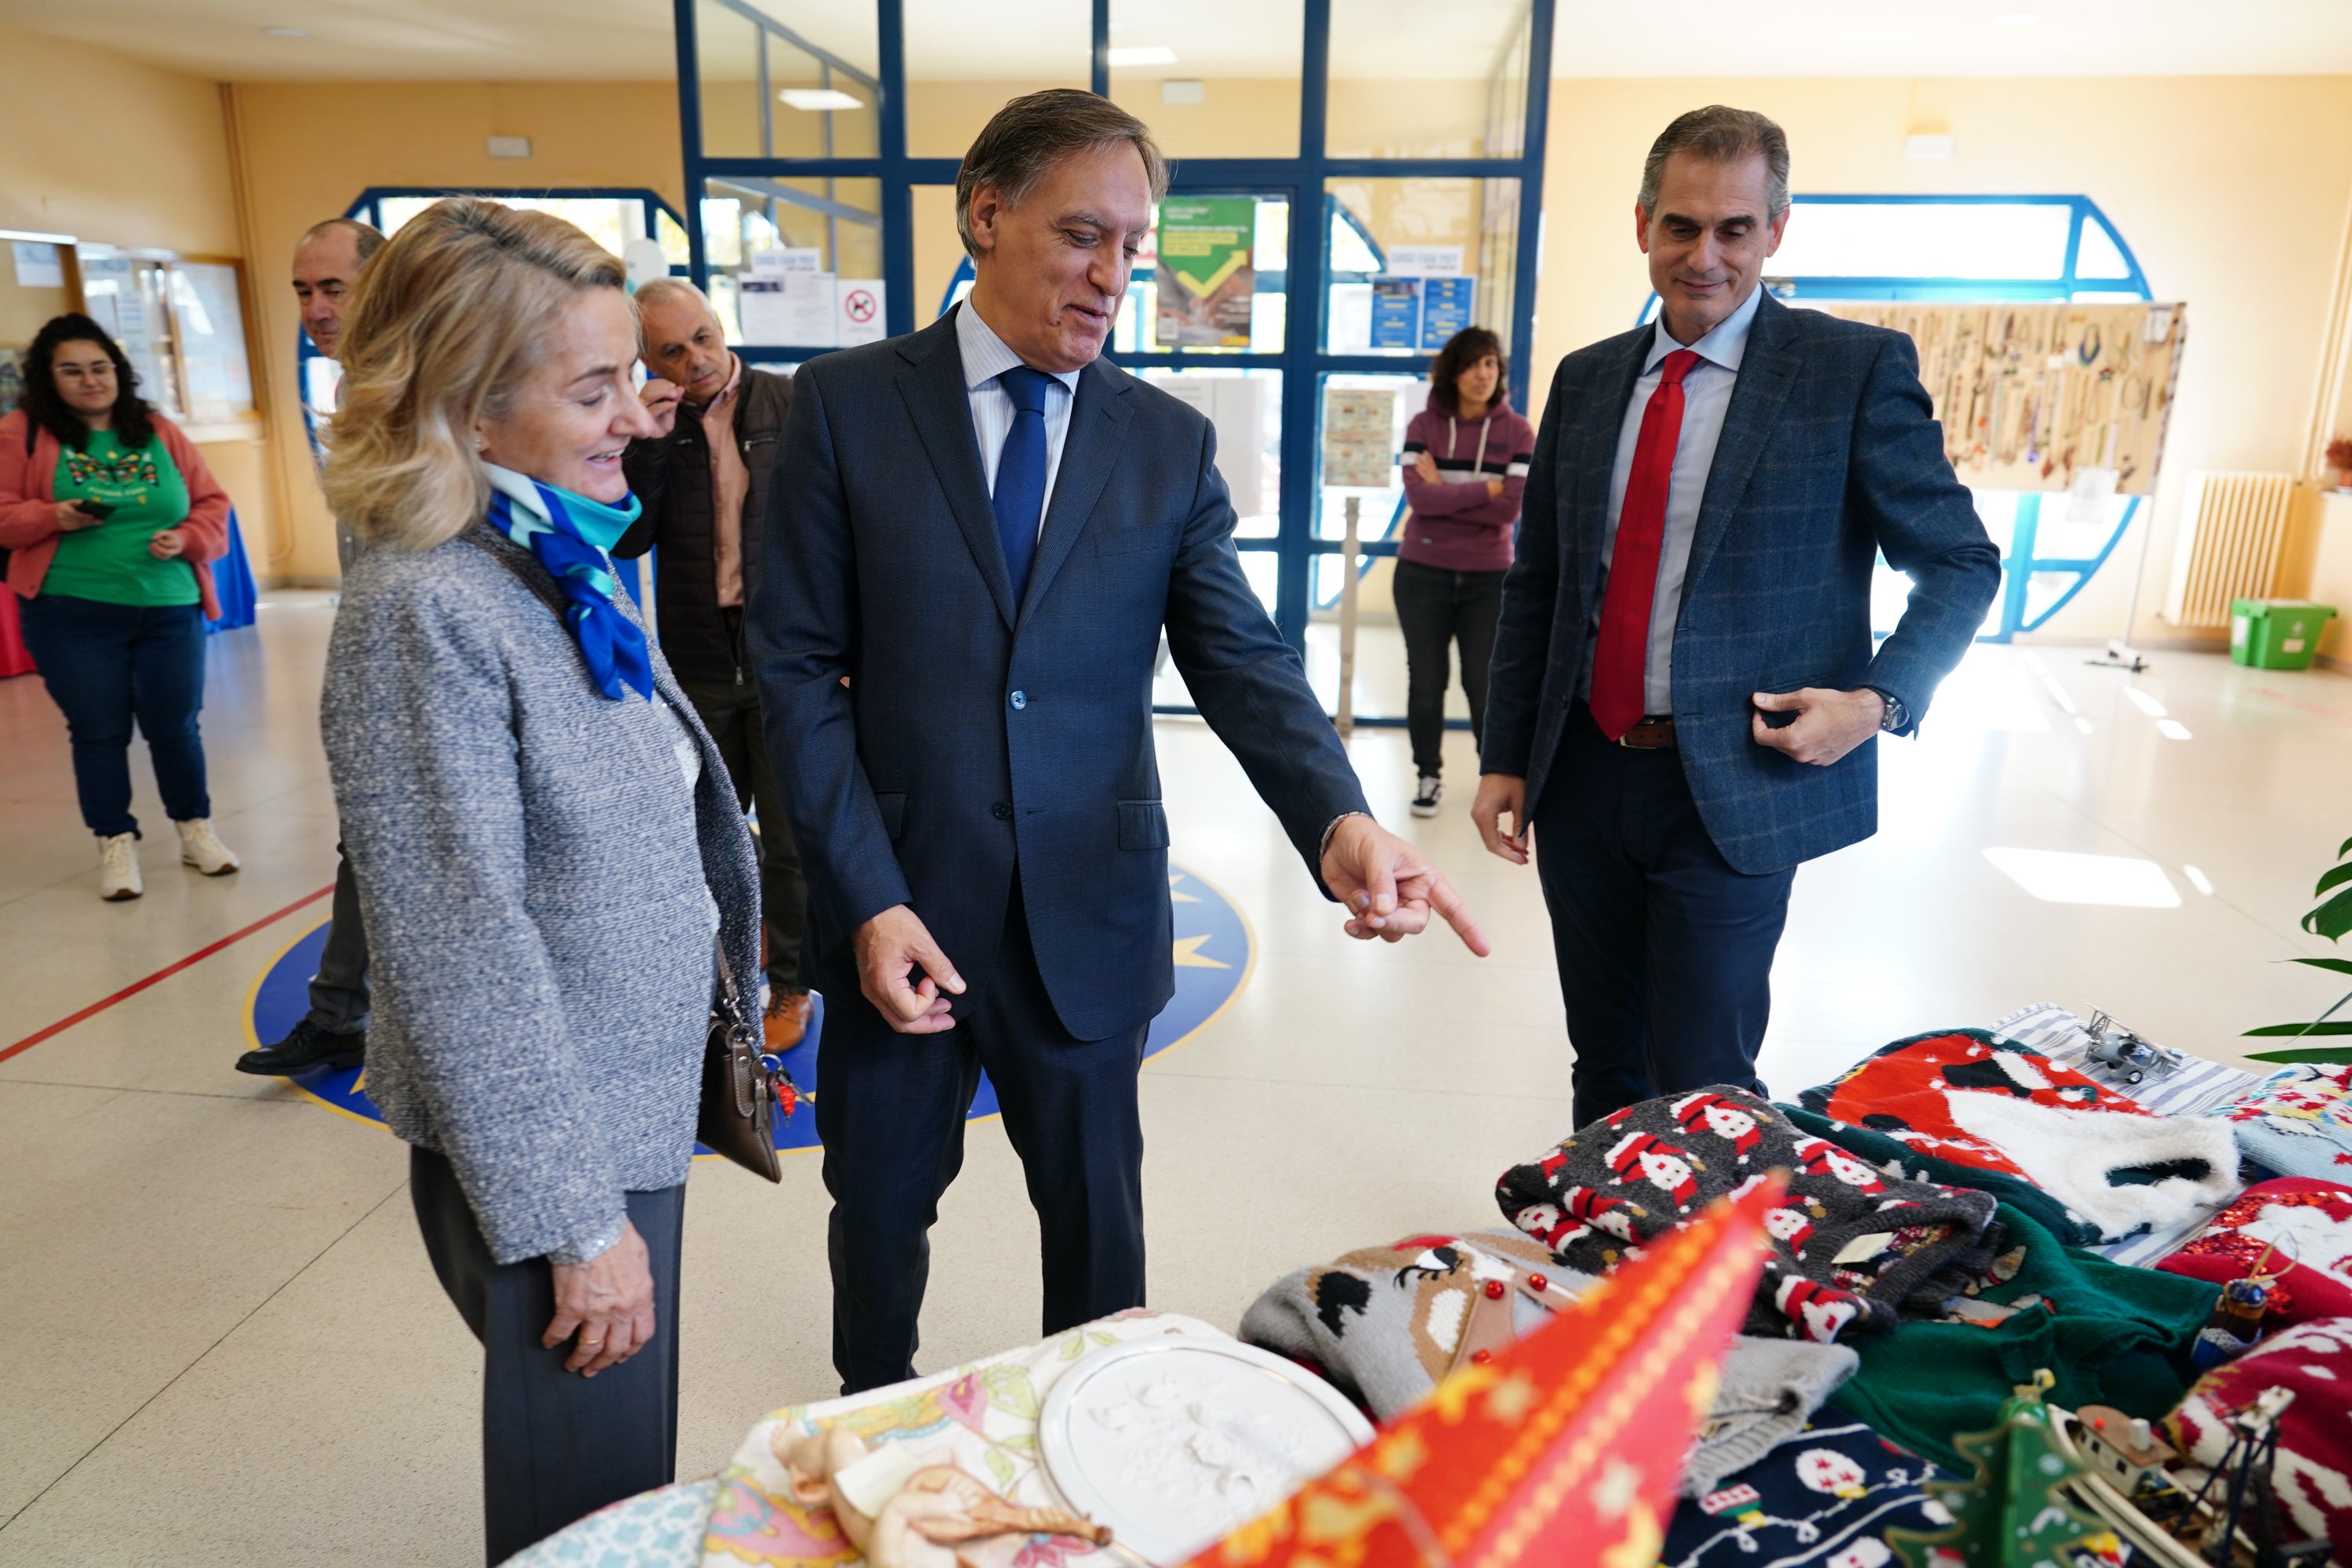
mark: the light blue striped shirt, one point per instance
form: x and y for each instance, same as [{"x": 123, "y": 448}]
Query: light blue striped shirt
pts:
[{"x": 986, "y": 357}]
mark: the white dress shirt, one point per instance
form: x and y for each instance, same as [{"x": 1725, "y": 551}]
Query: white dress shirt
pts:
[
  {"x": 1707, "y": 397},
  {"x": 985, "y": 357}
]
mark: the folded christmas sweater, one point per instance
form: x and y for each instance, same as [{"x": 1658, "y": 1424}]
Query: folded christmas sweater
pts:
[
  {"x": 1825, "y": 1495},
  {"x": 2297, "y": 1231},
  {"x": 1386, "y": 1324},
  {"x": 2110, "y": 1335},
  {"x": 2298, "y": 1122},
  {"x": 1972, "y": 1099},
  {"x": 1849, "y": 1246},
  {"x": 2312, "y": 1474}
]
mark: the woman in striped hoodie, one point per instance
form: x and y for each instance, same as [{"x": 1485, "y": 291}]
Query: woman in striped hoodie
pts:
[{"x": 1465, "y": 462}]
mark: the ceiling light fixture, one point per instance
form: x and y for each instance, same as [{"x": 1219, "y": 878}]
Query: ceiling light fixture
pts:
[
  {"x": 2017, "y": 19},
  {"x": 285, "y": 32},
  {"x": 819, "y": 97},
  {"x": 1142, "y": 55}
]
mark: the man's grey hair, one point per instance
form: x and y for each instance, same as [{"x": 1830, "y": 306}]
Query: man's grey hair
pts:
[
  {"x": 670, "y": 292},
  {"x": 1035, "y": 131},
  {"x": 1721, "y": 136},
  {"x": 366, "y": 238}
]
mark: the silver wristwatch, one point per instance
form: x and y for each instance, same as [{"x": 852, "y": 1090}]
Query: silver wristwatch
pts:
[{"x": 1896, "y": 716}]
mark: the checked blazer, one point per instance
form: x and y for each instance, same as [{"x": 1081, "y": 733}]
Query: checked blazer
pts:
[{"x": 1830, "y": 456}]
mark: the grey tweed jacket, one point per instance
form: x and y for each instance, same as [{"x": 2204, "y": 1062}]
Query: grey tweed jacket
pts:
[{"x": 532, "y": 870}]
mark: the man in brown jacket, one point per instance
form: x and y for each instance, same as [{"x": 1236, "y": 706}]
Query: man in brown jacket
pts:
[{"x": 703, "y": 484}]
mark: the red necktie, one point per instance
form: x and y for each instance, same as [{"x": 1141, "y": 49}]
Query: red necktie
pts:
[{"x": 1622, "y": 657}]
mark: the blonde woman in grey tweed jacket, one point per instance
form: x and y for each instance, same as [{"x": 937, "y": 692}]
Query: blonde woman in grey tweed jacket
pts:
[{"x": 544, "y": 838}]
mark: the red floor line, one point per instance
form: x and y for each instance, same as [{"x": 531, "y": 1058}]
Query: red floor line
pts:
[{"x": 169, "y": 970}]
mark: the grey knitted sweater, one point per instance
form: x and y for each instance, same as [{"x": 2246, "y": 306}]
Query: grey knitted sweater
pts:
[{"x": 533, "y": 868}]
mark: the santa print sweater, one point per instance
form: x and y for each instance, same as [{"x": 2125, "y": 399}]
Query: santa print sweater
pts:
[{"x": 1456, "y": 525}]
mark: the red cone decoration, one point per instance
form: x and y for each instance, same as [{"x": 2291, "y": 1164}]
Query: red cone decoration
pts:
[{"x": 1563, "y": 1451}]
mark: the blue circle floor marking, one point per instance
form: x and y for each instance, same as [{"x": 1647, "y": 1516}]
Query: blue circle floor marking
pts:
[{"x": 1215, "y": 955}]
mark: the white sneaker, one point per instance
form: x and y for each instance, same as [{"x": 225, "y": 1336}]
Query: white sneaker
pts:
[
  {"x": 117, "y": 867},
  {"x": 1426, "y": 796},
  {"x": 199, "y": 847}
]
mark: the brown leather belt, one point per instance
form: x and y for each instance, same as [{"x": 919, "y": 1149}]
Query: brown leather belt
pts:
[{"x": 1650, "y": 735}]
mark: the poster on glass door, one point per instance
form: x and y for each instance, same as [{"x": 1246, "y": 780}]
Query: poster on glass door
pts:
[{"x": 1207, "y": 280}]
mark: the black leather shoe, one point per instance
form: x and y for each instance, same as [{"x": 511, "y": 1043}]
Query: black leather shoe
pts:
[{"x": 307, "y": 1048}]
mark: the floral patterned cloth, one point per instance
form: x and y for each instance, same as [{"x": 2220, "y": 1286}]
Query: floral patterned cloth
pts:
[
  {"x": 982, "y": 1416},
  {"x": 659, "y": 1529}
]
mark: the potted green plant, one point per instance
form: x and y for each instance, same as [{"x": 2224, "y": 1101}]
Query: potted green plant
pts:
[{"x": 2331, "y": 919}]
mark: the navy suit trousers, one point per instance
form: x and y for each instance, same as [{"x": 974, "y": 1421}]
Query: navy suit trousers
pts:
[
  {"x": 1666, "y": 952},
  {"x": 890, "y": 1109}
]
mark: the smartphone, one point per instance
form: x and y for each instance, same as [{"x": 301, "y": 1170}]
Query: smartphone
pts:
[{"x": 96, "y": 509}]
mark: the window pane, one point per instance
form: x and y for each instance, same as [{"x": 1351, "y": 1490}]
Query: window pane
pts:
[
  {"x": 1415, "y": 260},
  {"x": 1401, "y": 88},
  {"x": 1379, "y": 511},
  {"x": 795, "y": 263},
  {"x": 942, "y": 273},
  {"x": 804, "y": 87},
  {"x": 1211, "y": 81},
  {"x": 1923, "y": 239},
  {"x": 1233, "y": 258},
  {"x": 964, "y": 62},
  {"x": 1245, "y": 408},
  {"x": 2099, "y": 256}
]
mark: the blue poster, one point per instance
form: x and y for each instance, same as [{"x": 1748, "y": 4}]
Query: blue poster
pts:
[
  {"x": 1446, "y": 304},
  {"x": 1396, "y": 312}
]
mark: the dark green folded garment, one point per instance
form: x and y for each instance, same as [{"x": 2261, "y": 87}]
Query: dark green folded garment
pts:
[
  {"x": 1877, "y": 1147},
  {"x": 2118, "y": 1336}
]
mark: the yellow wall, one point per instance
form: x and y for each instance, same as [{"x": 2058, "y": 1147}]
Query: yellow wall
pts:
[
  {"x": 114, "y": 151},
  {"x": 2230, "y": 190},
  {"x": 306, "y": 149}
]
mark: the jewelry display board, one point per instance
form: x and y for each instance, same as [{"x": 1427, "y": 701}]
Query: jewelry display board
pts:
[{"x": 2030, "y": 394}]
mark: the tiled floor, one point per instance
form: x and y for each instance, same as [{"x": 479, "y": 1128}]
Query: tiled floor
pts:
[{"x": 219, "y": 1340}]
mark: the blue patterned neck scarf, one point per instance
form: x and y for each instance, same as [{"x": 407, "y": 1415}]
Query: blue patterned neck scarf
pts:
[{"x": 571, "y": 534}]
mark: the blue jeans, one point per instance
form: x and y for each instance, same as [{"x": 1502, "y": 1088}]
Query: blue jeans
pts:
[{"x": 108, "y": 665}]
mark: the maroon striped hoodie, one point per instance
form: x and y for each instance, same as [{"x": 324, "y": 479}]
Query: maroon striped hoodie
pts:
[{"x": 1456, "y": 525}]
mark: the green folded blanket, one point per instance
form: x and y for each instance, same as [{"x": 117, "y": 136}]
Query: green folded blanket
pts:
[{"x": 2109, "y": 1334}]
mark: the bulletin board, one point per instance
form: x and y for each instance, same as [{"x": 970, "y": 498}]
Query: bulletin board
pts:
[
  {"x": 2028, "y": 393},
  {"x": 181, "y": 321},
  {"x": 37, "y": 281}
]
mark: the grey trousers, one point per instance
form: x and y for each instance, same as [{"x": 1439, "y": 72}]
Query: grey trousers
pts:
[
  {"x": 556, "y": 1447},
  {"x": 338, "y": 990}
]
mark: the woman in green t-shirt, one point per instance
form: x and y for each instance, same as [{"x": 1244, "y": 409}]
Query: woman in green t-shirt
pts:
[{"x": 112, "y": 521}]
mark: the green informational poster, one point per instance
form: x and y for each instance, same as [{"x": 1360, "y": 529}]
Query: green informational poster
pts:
[{"x": 1207, "y": 282}]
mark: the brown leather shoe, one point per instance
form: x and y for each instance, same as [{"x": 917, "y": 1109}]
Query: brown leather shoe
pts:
[{"x": 789, "y": 1012}]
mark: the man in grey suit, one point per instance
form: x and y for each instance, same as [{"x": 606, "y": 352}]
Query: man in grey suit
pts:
[
  {"x": 1683, "y": 681},
  {"x": 977, "y": 533}
]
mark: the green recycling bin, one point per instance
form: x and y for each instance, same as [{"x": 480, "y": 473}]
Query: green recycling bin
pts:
[{"x": 2276, "y": 634}]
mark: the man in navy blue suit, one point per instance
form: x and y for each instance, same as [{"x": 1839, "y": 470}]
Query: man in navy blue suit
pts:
[
  {"x": 1683, "y": 681},
  {"x": 976, "y": 537}
]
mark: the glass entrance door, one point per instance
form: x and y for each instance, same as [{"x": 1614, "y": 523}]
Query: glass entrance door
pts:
[{"x": 1366, "y": 180}]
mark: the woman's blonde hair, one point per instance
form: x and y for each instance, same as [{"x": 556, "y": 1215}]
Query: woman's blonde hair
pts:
[{"x": 452, "y": 315}]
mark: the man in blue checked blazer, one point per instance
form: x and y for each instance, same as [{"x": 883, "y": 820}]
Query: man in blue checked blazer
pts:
[
  {"x": 1684, "y": 685},
  {"x": 977, "y": 533}
]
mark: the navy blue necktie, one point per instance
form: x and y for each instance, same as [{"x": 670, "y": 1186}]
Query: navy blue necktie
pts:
[{"x": 1020, "y": 498}]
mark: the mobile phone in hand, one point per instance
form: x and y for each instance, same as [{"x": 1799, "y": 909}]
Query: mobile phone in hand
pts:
[{"x": 96, "y": 509}]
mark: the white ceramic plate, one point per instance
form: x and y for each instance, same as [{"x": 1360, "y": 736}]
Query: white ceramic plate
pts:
[{"x": 1173, "y": 1442}]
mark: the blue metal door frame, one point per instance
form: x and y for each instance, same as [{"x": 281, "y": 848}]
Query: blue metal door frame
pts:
[{"x": 1300, "y": 181}]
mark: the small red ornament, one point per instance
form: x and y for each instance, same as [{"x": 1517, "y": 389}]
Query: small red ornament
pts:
[
  {"x": 1539, "y": 1282},
  {"x": 1494, "y": 1290},
  {"x": 1480, "y": 1358}
]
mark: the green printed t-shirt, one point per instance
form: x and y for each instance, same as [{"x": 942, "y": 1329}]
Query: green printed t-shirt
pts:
[{"x": 109, "y": 563}]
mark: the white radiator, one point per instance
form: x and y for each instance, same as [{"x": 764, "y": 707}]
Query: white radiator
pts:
[{"x": 2233, "y": 534}]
